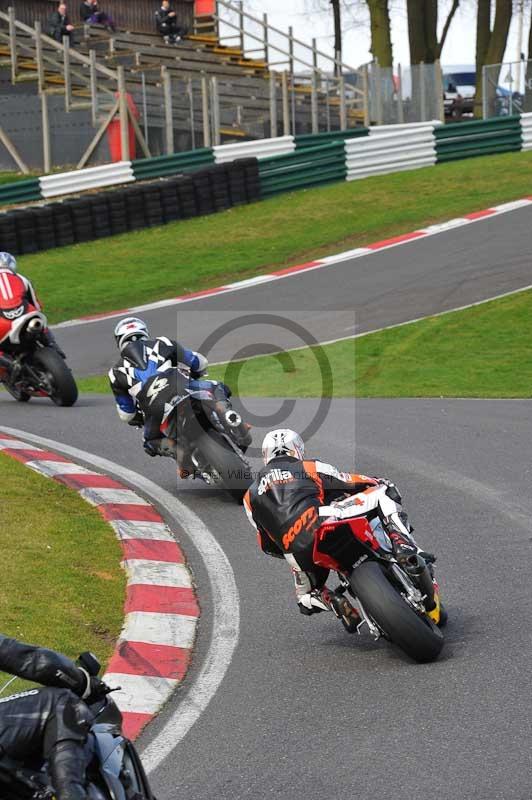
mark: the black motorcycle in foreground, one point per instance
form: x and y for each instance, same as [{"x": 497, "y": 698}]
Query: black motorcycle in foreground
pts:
[
  {"x": 209, "y": 441},
  {"x": 114, "y": 770},
  {"x": 32, "y": 367},
  {"x": 397, "y": 598}
]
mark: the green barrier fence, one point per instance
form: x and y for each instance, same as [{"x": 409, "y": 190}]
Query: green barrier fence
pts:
[
  {"x": 310, "y": 139},
  {"x": 160, "y": 166},
  {"x": 307, "y": 167},
  {"x": 20, "y": 192},
  {"x": 467, "y": 139}
]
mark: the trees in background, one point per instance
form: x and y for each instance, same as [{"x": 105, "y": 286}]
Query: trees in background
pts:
[
  {"x": 423, "y": 18},
  {"x": 381, "y": 37},
  {"x": 492, "y": 38}
]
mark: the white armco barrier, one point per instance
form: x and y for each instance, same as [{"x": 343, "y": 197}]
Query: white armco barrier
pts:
[
  {"x": 404, "y": 127},
  {"x": 526, "y": 131},
  {"x": 83, "y": 179},
  {"x": 390, "y": 151},
  {"x": 262, "y": 148}
]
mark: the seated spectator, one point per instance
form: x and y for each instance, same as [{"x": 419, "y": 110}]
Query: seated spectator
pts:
[
  {"x": 59, "y": 24},
  {"x": 167, "y": 24},
  {"x": 90, "y": 13}
]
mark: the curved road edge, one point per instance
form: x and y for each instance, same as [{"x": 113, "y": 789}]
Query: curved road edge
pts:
[
  {"x": 289, "y": 272},
  {"x": 125, "y": 510}
]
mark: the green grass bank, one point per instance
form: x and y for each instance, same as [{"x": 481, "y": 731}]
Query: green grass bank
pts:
[
  {"x": 64, "y": 587},
  {"x": 192, "y": 255},
  {"x": 484, "y": 351}
]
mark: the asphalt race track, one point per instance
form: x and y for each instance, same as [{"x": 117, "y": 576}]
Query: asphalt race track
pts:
[
  {"x": 441, "y": 272},
  {"x": 306, "y": 710}
]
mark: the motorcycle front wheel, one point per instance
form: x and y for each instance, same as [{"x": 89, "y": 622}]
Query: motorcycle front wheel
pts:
[
  {"x": 413, "y": 632},
  {"x": 63, "y": 389},
  {"x": 225, "y": 464}
]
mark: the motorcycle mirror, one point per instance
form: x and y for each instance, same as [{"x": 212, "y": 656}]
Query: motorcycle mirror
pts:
[{"x": 90, "y": 663}]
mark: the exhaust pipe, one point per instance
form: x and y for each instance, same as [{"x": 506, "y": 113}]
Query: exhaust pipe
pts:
[{"x": 416, "y": 568}]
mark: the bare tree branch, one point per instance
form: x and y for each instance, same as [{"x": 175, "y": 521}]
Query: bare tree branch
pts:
[{"x": 450, "y": 17}]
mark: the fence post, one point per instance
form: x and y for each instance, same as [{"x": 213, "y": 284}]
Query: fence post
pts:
[
  {"x": 145, "y": 110},
  {"x": 38, "y": 55},
  {"x": 286, "y": 107},
  {"x": 423, "y": 91},
  {"x": 266, "y": 43},
  {"x": 378, "y": 92},
  {"x": 215, "y": 111},
  {"x": 205, "y": 112},
  {"x": 168, "y": 113},
  {"x": 314, "y": 102},
  {"x": 291, "y": 51},
  {"x": 241, "y": 22},
  {"x": 400, "y": 109},
  {"x": 13, "y": 44},
  {"x": 439, "y": 89},
  {"x": 13, "y": 152},
  {"x": 94, "y": 86},
  {"x": 47, "y": 151},
  {"x": 365, "y": 79},
  {"x": 124, "y": 120},
  {"x": 484, "y": 94},
  {"x": 66, "y": 72},
  {"x": 343, "y": 107},
  {"x": 190, "y": 91},
  {"x": 273, "y": 104}
]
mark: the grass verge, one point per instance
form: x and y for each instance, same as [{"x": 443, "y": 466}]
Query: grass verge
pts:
[
  {"x": 11, "y": 177},
  {"x": 62, "y": 586},
  {"x": 191, "y": 255},
  {"x": 484, "y": 351}
]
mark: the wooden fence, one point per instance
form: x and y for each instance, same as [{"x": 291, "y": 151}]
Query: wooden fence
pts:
[{"x": 132, "y": 15}]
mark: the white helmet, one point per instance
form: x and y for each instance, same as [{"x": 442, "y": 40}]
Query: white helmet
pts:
[
  {"x": 282, "y": 442},
  {"x": 7, "y": 261},
  {"x": 130, "y": 329}
]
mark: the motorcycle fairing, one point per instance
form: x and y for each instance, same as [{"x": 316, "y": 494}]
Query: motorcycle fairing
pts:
[{"x": 16, "y": 327}]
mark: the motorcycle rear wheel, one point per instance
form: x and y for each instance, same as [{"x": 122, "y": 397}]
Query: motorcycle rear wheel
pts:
[
  {"x": 64, "y": 391},
  {"x": 231, "y": 467},
  {"x": 414, "y": 633}
]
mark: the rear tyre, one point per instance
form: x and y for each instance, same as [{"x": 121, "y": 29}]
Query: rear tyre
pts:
[
  {"x": 414, "y": 633},
  {"x": 232, "y": 469},
  {"x": 63, "y": 389}
]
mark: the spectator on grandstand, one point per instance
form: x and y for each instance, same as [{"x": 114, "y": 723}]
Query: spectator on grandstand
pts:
[
  {"x": 90, "y": 13},
  {"x": 167, "y": 24},
  {"x": 59, "y": 24}
]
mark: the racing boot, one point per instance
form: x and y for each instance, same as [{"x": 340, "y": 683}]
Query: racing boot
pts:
[
  {"x": 314, "y": 602},
  {"x": 160, "y": 447},
  {"x": 349, "y": 616}
]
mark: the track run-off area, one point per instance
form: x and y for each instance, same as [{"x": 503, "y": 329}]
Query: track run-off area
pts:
[{"x": 275, "y": 703}]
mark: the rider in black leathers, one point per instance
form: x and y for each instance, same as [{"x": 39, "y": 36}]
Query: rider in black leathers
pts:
[{"x": 50, "y": 723}]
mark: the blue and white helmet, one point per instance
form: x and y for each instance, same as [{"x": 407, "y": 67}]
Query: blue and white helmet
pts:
[
  {"x": 282, "y": 442},
  {"x": 130, "y": 329},
  {"x": 7, "y": 261}
]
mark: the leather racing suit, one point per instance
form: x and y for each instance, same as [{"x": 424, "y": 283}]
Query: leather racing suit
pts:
[
  {"x": 17, "y": 297},
  {"x": 46, "y": 723},
  {"x": 147, "y": 377},
  {"x": 283, "y": 504}
]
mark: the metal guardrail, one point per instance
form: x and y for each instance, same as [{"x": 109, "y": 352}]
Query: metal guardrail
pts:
[
  {"x": 161, "y": 166},
  {"x": 411, "y": 147},
  {"x": 262, "y": 148},
  {"x": 20, "y": 192},
  {"x": 526, "y": 131},
  {"x": 83, "y": 179},
  {"x": 483, "y": 137},
  {"x": 312, "y": 166}
]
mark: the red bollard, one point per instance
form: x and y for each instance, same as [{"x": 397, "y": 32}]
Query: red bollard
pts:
[{"x": 114, "y": 138}]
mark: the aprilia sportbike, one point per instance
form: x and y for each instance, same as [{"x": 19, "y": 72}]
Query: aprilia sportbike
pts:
[
  {"x": 29, "y": 365},
  {"x": 396, "y": 596},
  {"x": 114, "y": 770},
  {"x": 210, "y": 441}
]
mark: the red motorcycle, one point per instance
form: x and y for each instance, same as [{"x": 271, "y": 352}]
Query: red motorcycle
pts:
[
  {"x": 31, "y": 365},
  {"x": 397, "y": 598}
]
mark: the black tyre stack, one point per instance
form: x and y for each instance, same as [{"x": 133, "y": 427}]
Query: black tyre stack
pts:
[{"x": 144, "y": 205}]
